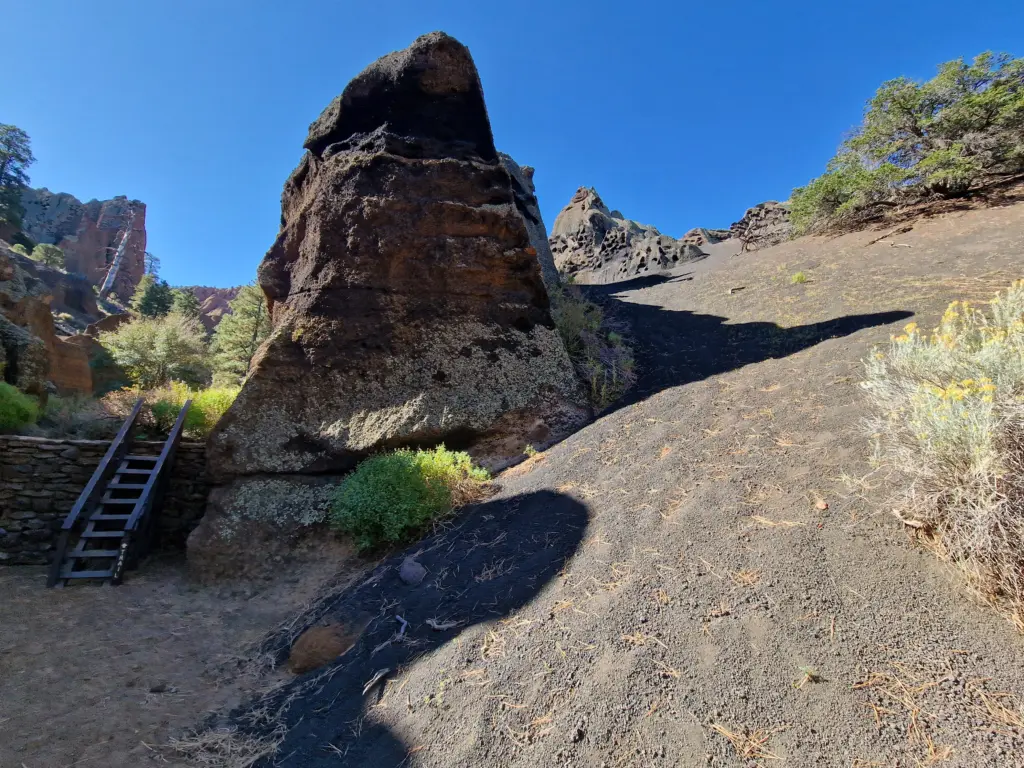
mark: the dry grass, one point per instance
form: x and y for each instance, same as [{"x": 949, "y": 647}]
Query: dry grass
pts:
[
  {"x": 745, "y": 577},
  {"x": 227, "y": 747},
  {"x": 768, "y": 523},
  {"x": 749, "y": 744}
]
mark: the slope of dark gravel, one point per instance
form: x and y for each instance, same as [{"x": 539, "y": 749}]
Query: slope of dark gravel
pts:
[{"x": 709, "y": 574}]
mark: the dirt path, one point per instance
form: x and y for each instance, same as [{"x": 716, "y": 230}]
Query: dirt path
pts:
[
  {"x": 738, "y": 589},
  {"x": 98, "y": 676}
]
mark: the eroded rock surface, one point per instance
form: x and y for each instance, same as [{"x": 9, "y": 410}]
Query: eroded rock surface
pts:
[
  {"x": 407, "y": 301},
  {"x": 88, "y": 233},
  {"x": 593, "y": 244},
  {"x": 764, "y": 225}
]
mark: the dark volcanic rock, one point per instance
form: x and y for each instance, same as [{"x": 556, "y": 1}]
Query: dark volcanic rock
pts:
[
  {"x": 595, "y": 245},
  {"x": 764, "y": 225},
  {"x": 529, "y": 209},
  {"x": 407, "y": 302}
]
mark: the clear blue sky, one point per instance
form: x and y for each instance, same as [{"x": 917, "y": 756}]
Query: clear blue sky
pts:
[{"x": 679, "y": 113}]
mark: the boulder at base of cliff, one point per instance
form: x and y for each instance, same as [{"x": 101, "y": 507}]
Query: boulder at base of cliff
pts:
[
  {"x": 407, "y": 301},
  {"x": 255, "y": 526}
]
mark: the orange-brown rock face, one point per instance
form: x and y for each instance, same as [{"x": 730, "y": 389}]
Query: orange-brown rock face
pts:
[
  {"x": 407, "y": 301},
  {"x": 88, "y": 233}
]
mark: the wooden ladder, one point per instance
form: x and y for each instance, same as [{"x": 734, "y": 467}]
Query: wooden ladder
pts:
[{"x": 113, "y": 520}]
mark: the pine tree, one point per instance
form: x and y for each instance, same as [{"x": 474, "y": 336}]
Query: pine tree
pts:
[
  {"x": 15, "y": 158},
  {"x": 240, "y": 334},
  {"x": 50, "y": 255},
  {"x": 186, "y": 303},
  {"x": 153, "y": 297}
]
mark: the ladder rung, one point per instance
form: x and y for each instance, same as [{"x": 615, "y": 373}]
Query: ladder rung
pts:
[
  {"x": 87, "y": 574},
  {"x": 109, "y": 517},
  {"x": 87, "y": 534},
  {"x": 126, "y": 486},
  {"x": 124, "y": 469},
  {"x": 142, "y": 458},
  {"x": 87, "y": 553},
  {"x": 108, "y": 500}
]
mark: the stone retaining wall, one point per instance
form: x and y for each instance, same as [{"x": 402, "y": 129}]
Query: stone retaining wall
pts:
[{"x": 40, "y": 480}]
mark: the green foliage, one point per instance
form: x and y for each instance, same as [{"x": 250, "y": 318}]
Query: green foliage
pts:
[
  {"x": 949, "y": 418},
  {"x": 19, "y": 248},
  {"x": 938, "y": 137},
  {"x": 393, "y": 497},
  {"x": 239, "y": 335},
  {"x": 185, "y": 303},
  {"x": 154, "y": 351},
  {"x": 798, "y": 278},
  {"x": 17, "y": 409},
  {"x": 153, "y": 297},
  {"x": 50, "y": 255},
  {"x": 600, "y": 355},
  {"x": 15, "y": 158}
]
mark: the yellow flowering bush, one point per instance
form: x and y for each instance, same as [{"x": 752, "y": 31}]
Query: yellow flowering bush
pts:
[{"x": 949, "y": 416}]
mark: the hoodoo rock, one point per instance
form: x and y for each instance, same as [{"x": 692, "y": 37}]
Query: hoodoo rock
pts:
[
  {"x": 88, "y": 233},
  {"x": 407, "y": 301},
  {"x": 764, "y": 225},
  {"x": 596, "y": 245}
]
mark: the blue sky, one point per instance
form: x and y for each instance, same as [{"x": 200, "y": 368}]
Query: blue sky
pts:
[{"x": 679, "y": 113}]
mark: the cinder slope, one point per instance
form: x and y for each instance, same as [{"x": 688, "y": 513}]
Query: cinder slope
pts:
[{"x": 710, "y": 592}]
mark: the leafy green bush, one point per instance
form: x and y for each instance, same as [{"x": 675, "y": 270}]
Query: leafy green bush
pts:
[
  {"x": 17, "y": 409},
  {"x": 50, "y": 255},
  {"x": 19, "y": 248},
  {"x": 154, "y": 351},
  {"x": 938, "y": 137},
  {"x": 599, "y": 353},
  {"x": 798, "y": 278},
  {"x": 393, "y": 497},
  {"x": 950, "y": 419}
]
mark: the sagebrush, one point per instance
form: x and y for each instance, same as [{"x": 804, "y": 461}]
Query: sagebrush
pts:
[
  {"x": 163, "y": 404},
  {"x": 596, "y": 345},
  {"x": 395, "y": 496},
  {"x": 949, "y": 417}
]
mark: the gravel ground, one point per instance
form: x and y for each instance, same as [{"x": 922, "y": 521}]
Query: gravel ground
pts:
[{"x": 709, "y": 574}]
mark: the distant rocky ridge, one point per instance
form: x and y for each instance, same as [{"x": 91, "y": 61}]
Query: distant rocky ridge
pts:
[
  {"x": 593, "y": 244},
  {"x": 214, "y": 303},
  {"x": 88, "y": 233}
]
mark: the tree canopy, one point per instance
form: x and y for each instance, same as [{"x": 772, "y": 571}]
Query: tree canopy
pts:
[
  {"x": 940, "y": 137},
  {"x": 15, "y": 158},
  {"x": 154, "y": 351},
  {"x": 240, "y": 334},
  {"x": 185, "y": 303},
  {"x": 50, "y": 255},
  {"x": 153, "y": 297}
]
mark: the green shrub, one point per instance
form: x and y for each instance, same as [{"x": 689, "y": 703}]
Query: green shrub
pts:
[
  {"x": 50, "y": 255},
  {"x": 77, "y": 416},
  {"x": 208, "y": 405},
  {"x": 949, "y": 418},
  {"x": 598, "y": 352},
  {"x": 17, "y": 409},
  {"x": 19, "y": 248},
  {"x": 798, "y": 278},
  {"x": 153, "y": 351},
  {"x": 395, "y": 496}
]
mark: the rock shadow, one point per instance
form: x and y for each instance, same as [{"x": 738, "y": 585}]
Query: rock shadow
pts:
[
  {"x": 677, "y": 346},
  {"x": 493, "y": 560}
]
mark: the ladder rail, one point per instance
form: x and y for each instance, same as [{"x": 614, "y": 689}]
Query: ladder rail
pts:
[
  {"x": 142, "y": 511},
  {"x": 119, "y": 447}
]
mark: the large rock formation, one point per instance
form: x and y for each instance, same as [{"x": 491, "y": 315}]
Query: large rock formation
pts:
[
  {"x": 526, "y": 202},
  {"x": 407, "y": 302},
  {"x": 32, "y": 356},
  {"x": 88, "y": 233},
  {"x": 596, "y": 245},
  {"x": 764, "y": 225}
]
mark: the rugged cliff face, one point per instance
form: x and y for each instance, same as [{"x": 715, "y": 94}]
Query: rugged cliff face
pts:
[
  {"x": 32, "y": 356},
  {"x": 213, "y": 303},
  {"x": 407, "y": 302},
  {"x": 88, "y": 233},
  {"x": 593, "y": 244}
]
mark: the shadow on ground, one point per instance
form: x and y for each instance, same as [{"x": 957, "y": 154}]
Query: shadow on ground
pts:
[
  {"x": 675, "y": 347},
  {"x": 495, "y": 559}
]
